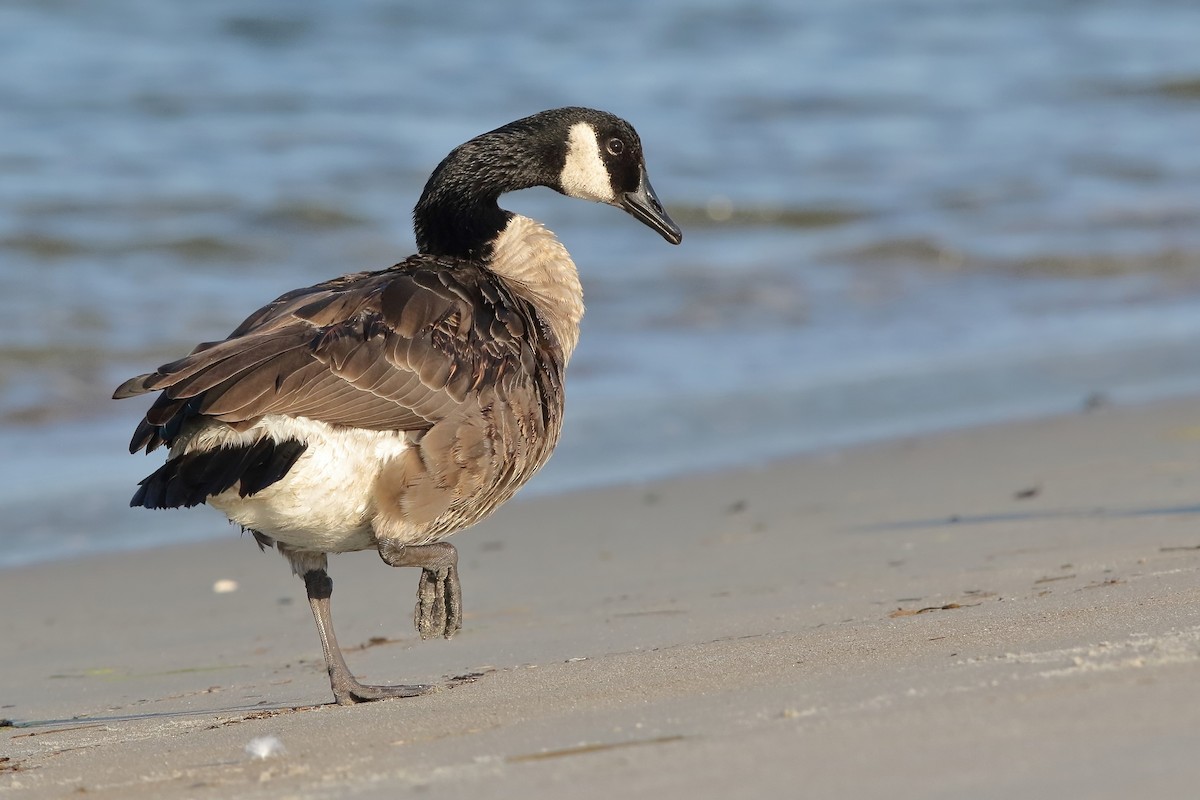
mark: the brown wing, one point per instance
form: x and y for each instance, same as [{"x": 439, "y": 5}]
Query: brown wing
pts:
[{"x": 393, "y": 350}]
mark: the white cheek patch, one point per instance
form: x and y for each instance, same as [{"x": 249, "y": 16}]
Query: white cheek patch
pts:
[{"x": 584, "y": 175}]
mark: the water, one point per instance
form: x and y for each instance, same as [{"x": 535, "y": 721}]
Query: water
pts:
[{"x": 899, "y": 215}]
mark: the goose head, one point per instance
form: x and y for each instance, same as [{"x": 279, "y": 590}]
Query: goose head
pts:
[
  {"x": 579, "y": 152},
  {"x": 603, "y": 162}
]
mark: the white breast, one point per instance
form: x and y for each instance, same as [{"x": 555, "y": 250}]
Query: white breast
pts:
[{"x": 326, "y": 502}]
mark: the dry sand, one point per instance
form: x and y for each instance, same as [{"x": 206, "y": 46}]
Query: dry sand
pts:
[{"x": 1010, "y": 611}]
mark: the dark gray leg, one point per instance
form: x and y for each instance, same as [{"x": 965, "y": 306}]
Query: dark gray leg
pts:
[
  {"x": 346, "y": 689},
  {"x": 439, "y": 595}
]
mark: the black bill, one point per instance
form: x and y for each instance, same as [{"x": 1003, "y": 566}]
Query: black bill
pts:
[{"x": 643, "y": 204}]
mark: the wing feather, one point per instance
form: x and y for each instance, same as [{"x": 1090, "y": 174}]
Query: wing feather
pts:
[{"x": 398, "y": 349}]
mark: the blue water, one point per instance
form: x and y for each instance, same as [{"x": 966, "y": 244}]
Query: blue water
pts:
[{"x": 899, "y": 216}]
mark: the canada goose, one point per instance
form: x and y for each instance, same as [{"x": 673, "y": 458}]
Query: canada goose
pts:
[{"x": 391, "y": 409}]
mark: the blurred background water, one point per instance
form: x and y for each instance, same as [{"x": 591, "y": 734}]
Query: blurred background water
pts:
[{"x": 899, "y": 215}]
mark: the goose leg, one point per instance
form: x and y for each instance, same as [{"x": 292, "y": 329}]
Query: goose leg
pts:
[
  {"x": 439, "y": 594},
  {"x": 346, "y": 688}
]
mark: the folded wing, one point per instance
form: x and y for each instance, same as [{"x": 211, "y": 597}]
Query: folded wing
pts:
[{"x": 398, "y": 349}]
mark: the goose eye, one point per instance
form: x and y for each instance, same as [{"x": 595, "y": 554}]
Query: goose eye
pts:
[{"x": 616, "y": 146}]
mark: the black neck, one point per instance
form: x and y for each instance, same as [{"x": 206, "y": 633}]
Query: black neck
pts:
[
  {"x": 458, "y": 213},
  {"x": 458, "y": 227}
]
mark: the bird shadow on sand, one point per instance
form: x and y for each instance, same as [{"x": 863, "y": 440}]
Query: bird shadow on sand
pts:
[
  {"x": 220, "y": 717},
  {"x": 228, "y": 715}
]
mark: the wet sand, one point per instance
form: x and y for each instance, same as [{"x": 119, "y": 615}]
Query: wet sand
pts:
[{"x": 1010, "y": 611}]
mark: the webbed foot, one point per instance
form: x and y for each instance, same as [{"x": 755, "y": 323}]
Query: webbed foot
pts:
[{"x": 439, "y": 594}]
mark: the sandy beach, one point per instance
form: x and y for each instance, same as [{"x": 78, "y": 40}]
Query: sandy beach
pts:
[{"x": 1010, "y": 611}]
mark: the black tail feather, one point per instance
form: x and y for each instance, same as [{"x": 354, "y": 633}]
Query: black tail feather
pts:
[
  {"x": 265, "y": 471},
  {"x": 163, "y": 422},
  {"x": 190, "y": 479}
]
